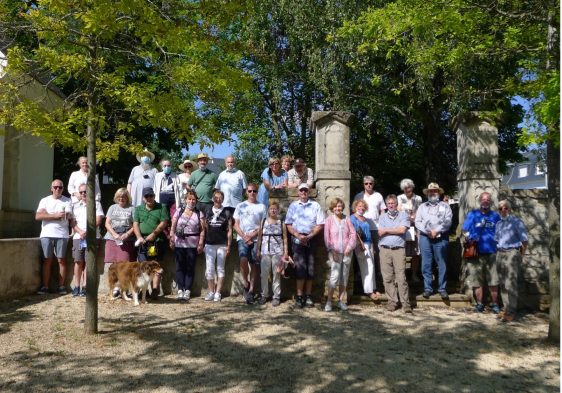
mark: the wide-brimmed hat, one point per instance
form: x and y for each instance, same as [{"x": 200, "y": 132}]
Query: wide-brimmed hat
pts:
[
  {"x": 180, "y": 166},
  {"x": 202, "y": 156},
  {"x": 433, "y": 186},
  {"x": 145, "y": 153}
]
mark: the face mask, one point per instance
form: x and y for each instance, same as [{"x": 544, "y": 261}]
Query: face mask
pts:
[
  {"x": 145, "y": 160},
  {"x": 393, "y": 213},
  {"x": 167, "y": 170},
  {"x": 360, "y": 213},
  {"x": 433, "y": 199},
  {"x": 190, "y": 206},
  {"x": 231, "y": 170}
]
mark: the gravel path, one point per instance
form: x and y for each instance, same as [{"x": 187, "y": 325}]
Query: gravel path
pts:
[{"x": 166, "y": 346}]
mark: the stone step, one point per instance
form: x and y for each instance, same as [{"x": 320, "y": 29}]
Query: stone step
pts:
[{"x": 456, "y": 300}]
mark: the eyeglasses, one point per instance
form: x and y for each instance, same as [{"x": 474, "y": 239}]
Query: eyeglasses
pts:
[
  {"x": 303, "y": 190},
  {"x": 367, "y": 184},
  {"x": 82, "y": 192},
  {"x": 58, "y": 187},
  {"x": 275, "y": 163},
  {"x": 187, "y": 166},
  {"x": 149, "y": 196},
  {"x": 164, "y": 166},
  {"x": 504, "y": 208},
  {"x": 252, "y": 191}
]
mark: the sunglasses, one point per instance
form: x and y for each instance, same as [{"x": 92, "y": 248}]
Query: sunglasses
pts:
[
  {"x": 58, "y": 187},
  {"x": 149, "y": 196},
  {"x": 504, "y": 208},
  {"x": 367, "y": 184},
  {"x": 303, "y": 190},
  {"x": 252, "y": 191},
  {"x": 82, "y": 192}
]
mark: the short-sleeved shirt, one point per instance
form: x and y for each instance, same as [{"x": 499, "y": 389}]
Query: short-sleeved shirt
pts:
[
  {"x": 203, "y": 182},
  {"x": 363, "y": 229},
  {"x": 250, "y": 215},
  {"x": 304, "y": 216},
  {"x": 482, "y": 228},
  {"x": 217, "y": 226},
  {"x": 434, "y": 216},
  {"x": 121, "y": 219},
  {"x": 263, "y": 194},
  {"x": 81, "y": 216},
  {"x": 55, "y": 228},
  {"x": 232, "y": 184},
  {"x": 148, "y": 220},
  {"x": 272, "y": 238},
  {"x": 190, "y": 227},
  {"x": 511, "y": 232},
  {"x": 375, "y": 202},
  {"x": 408, "y": 204},
  {"x": 307, "y": 177},
  {"x": 386, "y": 221}
]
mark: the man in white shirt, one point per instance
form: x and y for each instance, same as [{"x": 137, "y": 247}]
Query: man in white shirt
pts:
[
  {"x": 305, "y": 219},
  {"x": 248, "y": 217},
  {"x": 232, "y": 183},
  {"x": 80, "y": 222},
  {"x": 54, "y": 212}
]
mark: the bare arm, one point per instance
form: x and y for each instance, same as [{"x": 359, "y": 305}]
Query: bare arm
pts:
[{"x": 43, "y": 215}]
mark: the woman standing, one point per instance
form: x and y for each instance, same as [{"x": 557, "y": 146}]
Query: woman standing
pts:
[
  {"x": 273, "y": 177},
  {"x": 340, "y": 240},
  {"x": 409, "y": 202},
  {"x": 186, "y": 167},
  {"x": 364, "y": 248},
  {"x": 217, "y": 245},
  {"x": 81, "y": 177},
  {"x": 119, "y": 238},
  {"x": 272, "y": 249},
  {"x": 141, "y": 177},
  {"x": 187, "y": 240}
]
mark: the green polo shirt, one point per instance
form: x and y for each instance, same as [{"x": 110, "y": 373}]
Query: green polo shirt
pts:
[
  {"x": 204, "y": 182},
  {"x": 148, "y": 220}
]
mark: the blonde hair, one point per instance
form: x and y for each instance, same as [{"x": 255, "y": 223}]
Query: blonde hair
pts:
[
  {"x": 357, "y": 202},
  {"x": 334, "y": 202},
  {"x": 122, "y": 192}
]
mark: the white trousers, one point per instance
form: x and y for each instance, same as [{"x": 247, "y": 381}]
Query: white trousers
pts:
[
  {"x": 215, "y": 258},
  {"x": 367, "y": 267}
]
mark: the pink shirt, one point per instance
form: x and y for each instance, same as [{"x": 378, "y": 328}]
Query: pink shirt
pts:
[{"x": 339, "y": 235}]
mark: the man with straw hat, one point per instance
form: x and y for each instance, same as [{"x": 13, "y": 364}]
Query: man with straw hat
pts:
[{"x": 142, "y": 176}]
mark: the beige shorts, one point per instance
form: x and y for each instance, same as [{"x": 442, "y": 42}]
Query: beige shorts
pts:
[{"x": 482, "y": 271}]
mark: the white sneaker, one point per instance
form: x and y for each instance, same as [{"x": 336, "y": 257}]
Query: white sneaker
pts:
[
  {"x": 328, "y": 307},
  {"x": 218, "y": 297},
  {"x": 186, "y": 294},
  {"x": 342, "y": 306},
  {"x": 210, "y": 297},
  {"x": 179, "y": 296}
]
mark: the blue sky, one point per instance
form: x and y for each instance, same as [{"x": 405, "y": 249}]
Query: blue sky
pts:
[{"x": 217, "y": 151}]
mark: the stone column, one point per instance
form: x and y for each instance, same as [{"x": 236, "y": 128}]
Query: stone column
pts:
[
  {"x": 332, "y": 156},
  {"x": 477, "y": 155}
]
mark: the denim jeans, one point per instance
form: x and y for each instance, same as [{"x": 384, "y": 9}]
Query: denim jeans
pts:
[{"x": 430, "y": 249}]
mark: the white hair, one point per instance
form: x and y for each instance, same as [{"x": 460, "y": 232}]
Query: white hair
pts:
[
  {"x": 369, "y": 178},
  {"x": 406, "y": 183}
]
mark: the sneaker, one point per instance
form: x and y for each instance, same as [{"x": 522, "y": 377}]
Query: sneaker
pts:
[
  {"x": 179, "y": 296},
  {"x": 75, "y": 292},
  {"x": 392, "y": 307},
  {"x": 186, "y": 294},
  {"x": 479, "y": 307},
  {"x": 495, "y": 308},
  {"x": 210, "y": 297},
  {"x": 328, "y": 307},
  {"x": 275, "y": 302},
  {"x": 249, "y": 298},
  {"x": 262, "y": 300},
  {"x": 342, "y": 306},
  {"x": 407, "y": 309},
  {"x": 83, "y": 292},
  {"x": 309, "y": 302},
  {"x": 217, "y": 297},
  {"x": 61, "y": 290},
  {"x": 444, "y": 295},
  {"x": 43, "y": 291},
  {"x": 426, "y": 294},
  {"x": 299, "y": 302}
]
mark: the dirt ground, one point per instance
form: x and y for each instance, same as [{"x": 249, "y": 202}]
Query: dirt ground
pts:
[{"x": 167, "y": 346}]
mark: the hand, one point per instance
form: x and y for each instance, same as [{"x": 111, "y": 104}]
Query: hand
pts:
[
  {"x": 227, "y": 251},
  {"x": 59, "y": 215},
  {"x": 433, "y": 234},
  {"x": 150, "y": 238},
  {"x": 172, "y": 245},
  {"x": 200, "y": 248},
  {"x": 83, "y": 235},
  {"x": 303, "y": 239},
  {"x": 382, "y": 232}
]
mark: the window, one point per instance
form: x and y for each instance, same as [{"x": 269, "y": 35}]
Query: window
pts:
[
  {"x": 523, "y": 171},
  {"x": 539, "y": 169}
]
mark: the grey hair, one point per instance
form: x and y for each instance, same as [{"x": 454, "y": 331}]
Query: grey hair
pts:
[
  {"x": 406, "y": 183},
  {"x": 229, "y": 156},
  {"x": 391, "y": 196},
  {"x": 504, "y": 202},
  {"x": 369, "y": 178}
]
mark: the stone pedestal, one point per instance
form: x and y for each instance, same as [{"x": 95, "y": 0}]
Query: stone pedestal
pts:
[{"x": 477, "y": 155}]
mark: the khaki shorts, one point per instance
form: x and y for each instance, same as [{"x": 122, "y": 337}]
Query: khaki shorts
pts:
[{"x": 482, "y": 271}]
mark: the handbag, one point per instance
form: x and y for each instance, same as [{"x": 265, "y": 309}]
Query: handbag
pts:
[{"x": 470, "y": 249}]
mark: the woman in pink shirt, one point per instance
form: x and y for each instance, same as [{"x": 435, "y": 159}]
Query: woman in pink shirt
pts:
[{"x": 339, "y": 236}]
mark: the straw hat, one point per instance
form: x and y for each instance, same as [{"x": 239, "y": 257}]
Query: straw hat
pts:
[
  {"x": 145, "y": 153},
  {"x": 180, "y": 166},
  {"x": 201, "y": 156},
  {"x": 433, "y": 186}
]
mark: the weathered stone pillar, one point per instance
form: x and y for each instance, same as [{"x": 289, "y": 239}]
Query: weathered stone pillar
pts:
[
  {"x": 332, "y": 156},
  {"x": 477, "y": 155}
]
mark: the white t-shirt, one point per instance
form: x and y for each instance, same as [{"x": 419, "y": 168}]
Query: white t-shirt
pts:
[
  {"x": 232, "y": 184},
  {"x": 376, "y": 203},
  {"x": 250, "y": 215},
  {"x": 81, "y": 215},
  {"x": 76, "y": 180},
  {"x": 55, "y": 228}
]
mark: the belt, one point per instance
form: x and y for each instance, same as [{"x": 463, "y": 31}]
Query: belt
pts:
[
  {"x": 508, "y": 249},
  {"x": 390, "y": 248}
]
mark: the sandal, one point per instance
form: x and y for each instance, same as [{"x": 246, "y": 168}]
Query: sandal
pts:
[{"x": 375, "y": 296}]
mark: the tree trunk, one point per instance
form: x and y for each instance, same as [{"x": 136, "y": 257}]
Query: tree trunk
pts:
[
  {"x": 91, "y": 317},
  {"x": 553, "y": 160}
]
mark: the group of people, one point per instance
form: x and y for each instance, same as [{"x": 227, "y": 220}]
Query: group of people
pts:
[{"x": 196, "y": 212}]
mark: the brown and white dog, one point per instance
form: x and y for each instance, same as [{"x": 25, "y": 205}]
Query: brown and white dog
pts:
[{"x": 132, "y": 277}]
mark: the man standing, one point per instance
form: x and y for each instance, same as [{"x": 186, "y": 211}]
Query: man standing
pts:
[
  {"x": 232, "y": 183},
  {"x": 203, "y": 181},
  {"x": 167, "y": 187},
  {"x": 512, "y": 239},
  {"x": 304, "y": 220},
  {"x": 149, "y": 221},
  {"x": 433, "y": 220},
  {"x": 248, "y": 217},
  {"x": 480, "y": 225},
  {"x": 392, "y": 234},
  {"x": 79, "y": 245},
  {"x": 299, "y": 174},
  {"x": 54, "y": 212}
]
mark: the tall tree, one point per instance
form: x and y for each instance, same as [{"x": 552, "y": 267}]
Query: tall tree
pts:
[{"x": 124, "y": 65}]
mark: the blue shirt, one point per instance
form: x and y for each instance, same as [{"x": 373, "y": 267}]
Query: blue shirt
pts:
[
  {"x": 510, "y": 232},
  {"x": 363, "y": 229},
  {"x": 386, "y": 221},
  {"x": 304, "y": 216},
  {"x": 482, "y": 228},
  {"x": 263, "y": 194}
]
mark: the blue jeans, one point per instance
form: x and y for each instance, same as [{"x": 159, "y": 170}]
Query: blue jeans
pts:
[{"x": 429, "y": 249}]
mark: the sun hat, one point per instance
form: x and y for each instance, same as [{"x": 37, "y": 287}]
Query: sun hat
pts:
[
  {"x": 433, "y": 186},
  {"x": 202, "y": 156},
  {"x": 145, "y": 153},
  {"x": 187, "y": 161}
]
